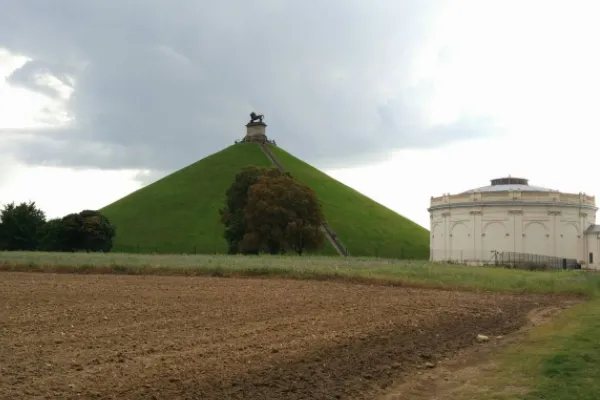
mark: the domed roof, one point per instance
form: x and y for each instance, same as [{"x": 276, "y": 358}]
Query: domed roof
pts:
[{"x": 510, "y": 183}]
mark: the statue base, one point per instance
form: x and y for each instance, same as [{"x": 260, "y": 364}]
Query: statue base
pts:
[{"x": 255, "y": 132}]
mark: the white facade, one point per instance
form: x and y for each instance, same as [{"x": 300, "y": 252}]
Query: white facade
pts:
[{"x": 510, "y": 216}]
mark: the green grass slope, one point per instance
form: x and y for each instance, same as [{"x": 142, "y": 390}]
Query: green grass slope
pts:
[
  {"x": 179, "y": 213},
  {"x": 365, "y": 227}
]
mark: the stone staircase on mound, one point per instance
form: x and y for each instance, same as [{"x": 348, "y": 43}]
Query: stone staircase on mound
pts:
[{"x": 329, "y": 233}]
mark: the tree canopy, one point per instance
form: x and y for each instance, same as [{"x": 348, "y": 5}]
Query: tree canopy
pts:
[
  {"x": 232, "y": 215},
  {"x": 88, "y": 230},
  {"x": 267, "y": 210},
  {"x": 21, "y": 226},
  {"x": 24, "y": 227}
]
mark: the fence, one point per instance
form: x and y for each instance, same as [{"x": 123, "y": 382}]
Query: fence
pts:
[
  {"x": 528, "y": 261},
  {"x": 504, "y": 258},
  {"x": 335, "y": 241}
]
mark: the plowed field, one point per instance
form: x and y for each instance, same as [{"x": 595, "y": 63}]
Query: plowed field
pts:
[{"x": 133, "y": 337}]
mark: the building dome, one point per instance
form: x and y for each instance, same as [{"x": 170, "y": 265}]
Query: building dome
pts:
[
  {"x": 517, "y": 220},
  {"x": 510, "y": 183}
]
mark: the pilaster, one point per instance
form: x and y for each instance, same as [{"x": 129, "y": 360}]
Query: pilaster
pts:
[
  {"x": 476, "y": 216},
  {"x": 554, "y": 214},
  {"x": 446, "y": 215},
  {"x": 517, "y": 229}
]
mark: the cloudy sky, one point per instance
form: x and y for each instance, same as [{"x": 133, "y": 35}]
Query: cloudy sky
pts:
[{"x": 399, "y": 99}]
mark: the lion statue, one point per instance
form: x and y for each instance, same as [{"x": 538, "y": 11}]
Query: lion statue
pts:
[{"x": 256, "y": 117}]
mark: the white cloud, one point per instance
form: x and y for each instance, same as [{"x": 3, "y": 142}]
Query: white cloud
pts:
[
  {"x": 535, "y": 71},
  {"x": 530, "y": 66},
  {"x": 406, "y": 182},
  {"x": 58, "y": 191}
]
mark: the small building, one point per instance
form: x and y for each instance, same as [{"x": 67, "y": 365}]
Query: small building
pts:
[
  {"x": 256, "y": 132},
  {"x": 511, "y": 218}
]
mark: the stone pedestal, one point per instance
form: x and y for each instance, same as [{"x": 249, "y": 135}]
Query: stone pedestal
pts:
[{"x": 256, "y": 132}]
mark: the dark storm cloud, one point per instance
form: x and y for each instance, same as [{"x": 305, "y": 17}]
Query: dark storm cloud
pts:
[{"x": 161, "y": 84}]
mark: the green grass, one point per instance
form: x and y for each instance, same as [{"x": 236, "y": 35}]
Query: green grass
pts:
[
  {"x": 179, "y": 213},
  {"x": 364, "y": 226},
  {"x": 409, "y": 273},
  {"x": 559, "y": 360},
  {"x": 564, "y": 358}
]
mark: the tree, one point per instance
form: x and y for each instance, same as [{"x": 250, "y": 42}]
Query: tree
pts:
[
  {"x": 282, "y": 213},
  {"x": 88, "y": 230},
  {"x": 70, "y": 232},
  {"x": 301, "y": 236},
  {"x": 97, "y": 231},
  {"x": 232, "y": 215},
  {"x": 21, "y": 226},
  {"x": 51, "y": 238}
]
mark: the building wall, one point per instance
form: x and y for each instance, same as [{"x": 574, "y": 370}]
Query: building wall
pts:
[
  {"x": 255, "y": 131},
  {"x": 593, "y": 246},
  {"x": 546, "y": 226}
]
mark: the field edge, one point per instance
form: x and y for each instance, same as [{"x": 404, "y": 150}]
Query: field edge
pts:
[{"x": 282, "y": 272}]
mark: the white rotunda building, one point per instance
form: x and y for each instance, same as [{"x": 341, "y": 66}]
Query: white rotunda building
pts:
[{"x": 516, "y": 219}]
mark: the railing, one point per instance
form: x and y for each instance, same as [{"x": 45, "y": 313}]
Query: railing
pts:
[
  {"x": 271, "y": 157},
  {"x": 335, "y": 241},
  {"x": 329, "y": 233},
  {"x": 528, "y": 261},
  {"x": 504, "y": 258}
]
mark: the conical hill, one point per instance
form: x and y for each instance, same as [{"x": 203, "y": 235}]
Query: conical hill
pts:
[
  {"x": 365, "y": 227},
  {"x": 179, "y": 213}
]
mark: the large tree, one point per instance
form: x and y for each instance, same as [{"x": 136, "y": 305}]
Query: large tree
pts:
[
  {"x": 282, "y": 213},
  {"x": 21, "y": 226},
  {"x": 232, "y": 215},
  {"x": 98, "y": 232},
  {"x": 51, "y": 238},
  {"x": 88, "y": 230}
]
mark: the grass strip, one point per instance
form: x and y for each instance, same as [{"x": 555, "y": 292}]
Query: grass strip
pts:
[{"x": 359, "y": 270}]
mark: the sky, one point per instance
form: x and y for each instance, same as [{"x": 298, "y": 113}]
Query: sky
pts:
[{"x": 401, "y": 100}]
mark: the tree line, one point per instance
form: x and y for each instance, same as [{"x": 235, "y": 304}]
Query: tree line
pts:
[
  {"x": 265, "y": 211},
  {"x": 269, "y": 211},
  {"x": 23, "y": 227}
]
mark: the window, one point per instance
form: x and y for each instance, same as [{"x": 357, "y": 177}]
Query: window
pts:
[{"x": 591, "y": 258}]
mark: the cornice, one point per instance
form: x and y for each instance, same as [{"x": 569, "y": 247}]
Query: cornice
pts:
[{"x": 511, "y": 204}]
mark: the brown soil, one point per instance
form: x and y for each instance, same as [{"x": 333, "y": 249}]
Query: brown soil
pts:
[
  {"x": 467, "y": 374},
  {"x": 143, "y": 337}
]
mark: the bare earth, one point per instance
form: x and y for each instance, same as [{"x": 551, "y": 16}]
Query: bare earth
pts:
[{"x": 134, "y": 337}]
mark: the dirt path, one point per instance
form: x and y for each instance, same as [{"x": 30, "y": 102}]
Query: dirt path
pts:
[
  {"x": 132, "y": 337},
  {"x": 465, "y": 375}
]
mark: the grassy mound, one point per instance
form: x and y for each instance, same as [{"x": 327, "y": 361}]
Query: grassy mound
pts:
[
  {"x": 365, "y": 227},
  {"x": 179, "y": 213}
]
